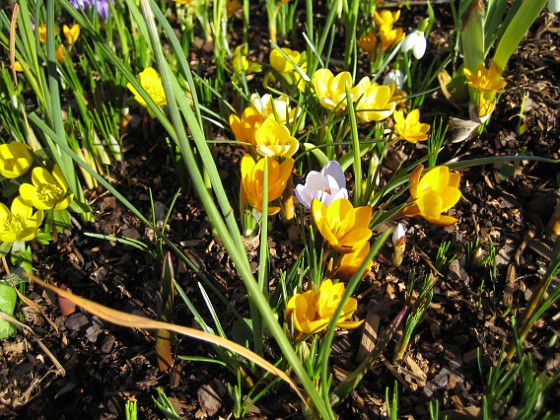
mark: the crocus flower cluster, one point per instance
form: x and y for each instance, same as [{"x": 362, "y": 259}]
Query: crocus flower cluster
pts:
[
  {"x": 244, "y": 128},
  {"x": 311, "y": 311},
  {"x": 328, "y": 188},
  {"x": 388, "y": 34},
  {"x": 47, "y": 191}
]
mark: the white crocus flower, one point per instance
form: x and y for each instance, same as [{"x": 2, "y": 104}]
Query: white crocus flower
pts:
[
  {"x": 396, "y": 77},
  {"x": 326, "y": 186},
  {"x": 416, "y": 42},
  {"x": 554, "y": 6}
]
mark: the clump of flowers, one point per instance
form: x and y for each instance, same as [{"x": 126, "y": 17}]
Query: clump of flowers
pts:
[
  {"x": 433, "y": 194},
  {"x": 101, "y": 6},
  {"x": 311, "y": 311},
  {"x": 252, "y": 118}
]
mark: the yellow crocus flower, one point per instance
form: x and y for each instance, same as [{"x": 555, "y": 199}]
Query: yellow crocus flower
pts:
[
  {"x": 374, "y": 102},
  {"x": 390, "y": 36},
  {"x": 344, "y": 227},
  {"x": 434, "y": 193},
  {"x": 71, "y": 33},
  {"x": 252, "y": 180},
  {"x": 274, "y": 139},
  {"x": 386, "y": 17},
  {"x": 331, "y": 89},
  {"x": 152, "y": 84},
  {"x": 312, "y": 310},
  {"x": 43, "y": 32},
  {"x": 350, "y": 262},
  {"x": 485, "y": 80},
  {"x": 410, "y": 128},
  {"x": 279, "y": 62},
  {"x": 368, "y": 43}
]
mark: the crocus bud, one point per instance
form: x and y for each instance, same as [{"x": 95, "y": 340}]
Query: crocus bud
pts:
[
  {"x": 554, "y": 6},
  {"x": 399, "y": 242}
]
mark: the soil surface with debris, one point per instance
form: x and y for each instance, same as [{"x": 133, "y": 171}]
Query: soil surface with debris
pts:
[{"x": 507, "y": 207}]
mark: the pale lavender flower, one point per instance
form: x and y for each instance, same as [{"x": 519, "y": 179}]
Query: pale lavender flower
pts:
[
  {"x": 102, "y": 7},
  {"x": 326, "y": 186}
]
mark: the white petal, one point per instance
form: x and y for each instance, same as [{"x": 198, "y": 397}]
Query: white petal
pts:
[
  {"x": 303, "y": 196},
  {"x": 398, "y": 233},
  {"x": 419, "y": 48},
  {"x": 333, "y": 169}
]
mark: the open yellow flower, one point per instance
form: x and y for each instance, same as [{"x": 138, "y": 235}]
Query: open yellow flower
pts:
[
  {"x": 252, "y": 180},
  {"x": 331, "y": 89},
  {"x": 71, "y": 33},
  {"x": 15, "y": 159},
  {"x": 373, "y": 101},
  {"x": 368, "y": 43},
  {"x": 19, "y": 223},
  {"x": 344, "y": 227},
  {"x": 312, "y": 310},
  {"x": 434, "y": 193},
  {"x": 279, "y": 62},
  {"x": 274, "y": 139},
  {"x": 485, "y": 80},
  {"x": 410, "y": 128},
  {"x": 47, "y": 191},
  {"x": 386, "y": 17},
  {"x": 152, "y": 84}
]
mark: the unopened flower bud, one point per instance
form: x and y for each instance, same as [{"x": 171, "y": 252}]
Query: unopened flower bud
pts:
[{"x": 399, "y": 242}]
